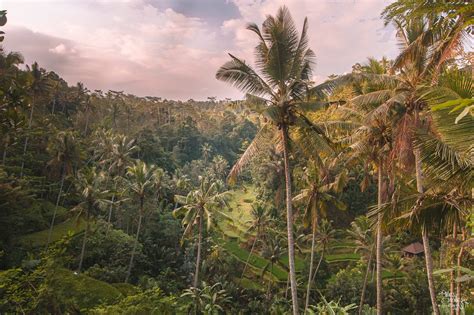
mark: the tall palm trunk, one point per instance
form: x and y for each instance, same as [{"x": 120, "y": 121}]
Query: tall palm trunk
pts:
[
  {"x": 364, "y": 285},
  {"x": 289, "y": 222},
  {"x": 378, "y": 254},
  {"x": 198, "y": 256},
  {"x": 25, "y": 146},
  {"x": 311, "y": 261},
  {"x": 109, "y": 217},
  {"x": 4, "y": 156},
  {"x": 54, "y": 105},
  {"x": 111, "y": 208},
  {"x": 58, "y": 198},
  {"x": 132, "y": 257},
  {"x": 425, "y": 238},
  {"x": 451, "y": 280},
  {"x": 319, "y": 263},
  {"x": 87, "y": 124},
  {"x": 84, "y": 240},
  {"x": 250, "y": 254},
  {"x": 458, "y": 285}
]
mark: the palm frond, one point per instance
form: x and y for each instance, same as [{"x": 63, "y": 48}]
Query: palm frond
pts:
[
  {"x": 260, "y": 143},
  {"x": 243, "y": 77}
]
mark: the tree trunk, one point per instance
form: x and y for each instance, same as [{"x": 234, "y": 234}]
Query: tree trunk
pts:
[
  {"x": 458, "y": 284},
  {"x": 55, "y": 210},
  {"x": 4, "y": 156},
  {"x": 429, "y": 270},
  {"x": 424, "y": 233},
  {"x": 87, "y": 123},
  {"x": 25, "y": 146},
  {"x": 83, "y": 250},
  {"x": 109, "y": 218},
  {"x": 451, "y": 280},
  {"x": 311, "y": 261},
  {"x": 364, "y": 286},
  {"x": 198, "y": 257},
  {"x": 250, "y": 254},
  {"x": 319, "y": 263},
  {"x": 132, "y": 257},
  {"x": 110, "y": 209},
  {"x": 289, "y": 223},
  {"x": 378, "y": 254},
  {"x": 270, "y": 283}
]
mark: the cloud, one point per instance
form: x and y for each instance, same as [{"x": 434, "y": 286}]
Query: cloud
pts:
[
  {"x": 62, "y": 49},
  {"x": 336, "y": 32},
  {"x": 172, "y": 49}
]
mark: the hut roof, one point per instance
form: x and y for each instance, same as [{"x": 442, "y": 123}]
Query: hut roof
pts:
[{"x": 414, "y": 248}]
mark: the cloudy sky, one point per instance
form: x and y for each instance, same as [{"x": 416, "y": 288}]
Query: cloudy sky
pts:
[{"x": 172, "y": 48}]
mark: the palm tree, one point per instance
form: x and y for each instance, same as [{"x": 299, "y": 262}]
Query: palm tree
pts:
[
  {"x": 40, "y": 84},
  {"x": 319, "y": 199},
  {"x": 66, "y": 154},
  {"x": 426, "y": 47},
  {"x": 260, "y": 220},
  {"x": 372, "y": 141},
  {"x": 11, "y": 125},
  {"x": 90, "y": 185},
  {"x": 273, "y": 251},
  {"x": 446, "y": 157},
  {"x": 210, "y": 299},
  {"x": 206, "y": 150},
  {"x": 9, "y": 65},
  {"x": 365, "y": 244},
  {"x": 140, "y": 181},
  {"x": 277, "y": 91},
  {"x": 115, "y": 102},
  {"x": 201, "y": 205},
  {"x": 324, "y": 236},
  {"x": 117, "y": 155}
]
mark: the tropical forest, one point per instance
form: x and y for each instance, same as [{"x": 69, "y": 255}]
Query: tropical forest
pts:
[{"x": 350, "y": 194}]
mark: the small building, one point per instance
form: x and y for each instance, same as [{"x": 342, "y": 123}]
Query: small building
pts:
[{"x": 414, "y": 249}]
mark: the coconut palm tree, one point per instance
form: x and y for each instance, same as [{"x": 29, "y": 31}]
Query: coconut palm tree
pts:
[
  {"x": 11, "y": 125},
  {"x": 9, "y": 65},
  {"x": 277, "y": 90},
  {"x": 90, "y": 185},
  {"x": 210, "y": 299},
  {"x": 39, "y": 84},
  {"x": 202, "y": 204},
  {"x": 117, "y": 154},
  {"x": 447, "y": 156},
  {"x": 365, "y": 243},
  {"x": 260, "y": 220},
  {"x": 371, "y": 141},
  {"x": 426, "y": 47},
  {"x": 319, "y": 199},
  {"x": 206, "y": 150},
  {"x": 66, "y": 154},
  {"x": 273, "y": 251},
  {"x": 140, "y": 181}
]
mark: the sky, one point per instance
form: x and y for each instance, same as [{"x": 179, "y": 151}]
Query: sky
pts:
[{"x": 172, "y": 48}]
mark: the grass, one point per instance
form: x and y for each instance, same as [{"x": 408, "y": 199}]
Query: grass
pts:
[
  {"x": 345, "y": 257},
  {"x": 248, "y": 284},
  {"x": 299, "y": 262},
  {"x": 392, "y": 275},
  {"x": 83, "y": 291},
  {"x": 240, "y": 212},
  {"x": 40, "y": 238},
  {"x": 255, "y": 261}
]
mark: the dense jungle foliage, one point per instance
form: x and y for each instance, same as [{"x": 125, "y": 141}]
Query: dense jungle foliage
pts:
[{"x": 351, "y": 196}]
